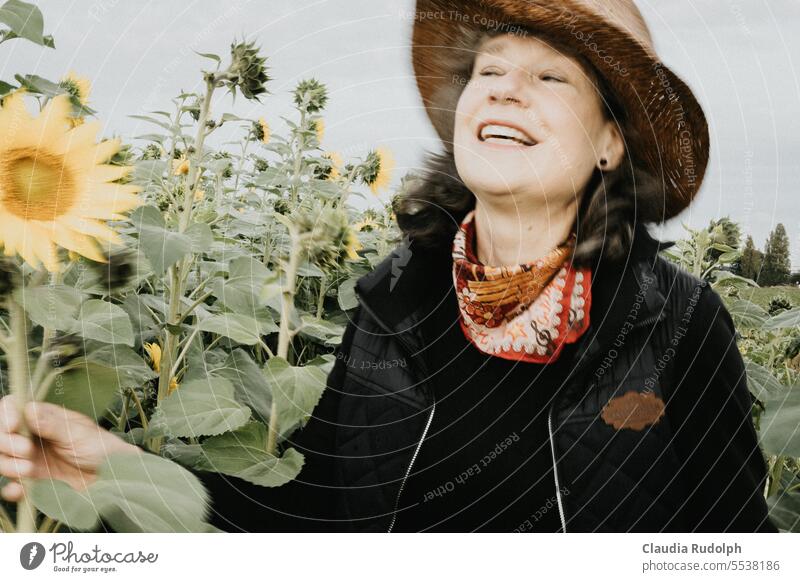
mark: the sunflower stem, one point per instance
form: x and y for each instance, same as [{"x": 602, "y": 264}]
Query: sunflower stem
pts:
[
  {"x": 176, "y": 272},
  {"x": 18, "y": 371},
  {"x": 193, "y": 179},
  {"x": 298, "y": 157},
  {"x": 285, "y": 333}
]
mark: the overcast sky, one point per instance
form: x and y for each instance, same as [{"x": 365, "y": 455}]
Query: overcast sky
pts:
[{"x": 741, "y": 57}]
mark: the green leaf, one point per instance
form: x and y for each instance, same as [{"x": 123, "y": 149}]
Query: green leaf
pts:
[
  {"x": 325, "y": 331},
  {"x": 58, "y": 500},
  {"x": 37, "y": 84},
  {"x": 242, "y": 454},
  {"x": 251, "y": 388},
  {"x": 211, "y": 56},
  {"x": 240, "y": 328},
  {"x": 53, "y": 306},
  {"x": 89, "y": 388},
  {"x": 786, "y": 319},
  {"x": 133, "y": 493},
  {"x": 271, "y": 178},
  {"x": 347, "y": 294},
  {"x": 295, "y": 390},
  {"x": 132, "y": 371},
  {"x": 105, "y": 322},
  {"x": 746, "y": 313},
  {"x": 152, "y": 120},
  {"x": 780, "y": 431},
  {"x": 162, "y": 247},
  {"x": 240, "y": 292},
  {"x": 308, "y": 269},
  {"x": 25, "y": 20},
  {"x": 200, "y": 236},
  {"x": 218, "y": 166},
  {"x": 6, "y": 88},
  {"x": 198, "y": 408},
  {"x": 761, "y": 381},
  {"x": 784, "y": 511},
  {"x": 142, "y": 320},
  {"x": 147, "y": 171}
]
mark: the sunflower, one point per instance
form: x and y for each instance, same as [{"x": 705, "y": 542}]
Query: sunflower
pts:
[
  {"x": 383, "y": 170},
  {"x": 319, "y": 127},
  {"x": 367, "y": 224},
  {"x": 180, "y": 167},
  {"x": 352, "y": 244},
  {"x": 55, "y": 188},
  {"x": 336, "y": 163},
  {"x": 262, "y": 130}
]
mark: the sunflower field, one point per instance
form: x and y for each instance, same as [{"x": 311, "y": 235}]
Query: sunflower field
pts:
[{"x": 189, "y": 298}]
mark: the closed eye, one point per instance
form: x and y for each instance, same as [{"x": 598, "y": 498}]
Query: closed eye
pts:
[
  {"x": 491, "y": 71},
  {"x": 548, "y": 76}
]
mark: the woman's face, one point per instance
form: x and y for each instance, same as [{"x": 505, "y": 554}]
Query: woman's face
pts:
[{"x": 530, "y": 123}]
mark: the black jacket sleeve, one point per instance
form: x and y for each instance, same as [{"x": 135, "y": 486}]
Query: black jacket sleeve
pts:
[
  {"x": 710, "y": 411},
  {"x": 306, "y": 504}
]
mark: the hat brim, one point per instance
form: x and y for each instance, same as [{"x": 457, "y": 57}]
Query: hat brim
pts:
[{"x": 670, "y": 128}]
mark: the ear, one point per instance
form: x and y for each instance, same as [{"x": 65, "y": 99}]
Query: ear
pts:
[{"x": 612, "y": 146}]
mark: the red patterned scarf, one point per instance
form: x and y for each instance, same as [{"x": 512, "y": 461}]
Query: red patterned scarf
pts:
[{"x": 520, "y": 312}]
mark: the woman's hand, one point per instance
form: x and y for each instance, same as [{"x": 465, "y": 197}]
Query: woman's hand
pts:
[{"x": 64, "y": 445}]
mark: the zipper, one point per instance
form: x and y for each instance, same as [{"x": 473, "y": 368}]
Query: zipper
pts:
[
  {"x": 649, "y": 320},
  {"x": 411, "y": 464},
  {"x": 424, "y": 370},
  {"x": 555, "y": 470}
]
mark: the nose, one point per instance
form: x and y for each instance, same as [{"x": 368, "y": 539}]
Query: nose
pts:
[{"x": 508, "y": 89}]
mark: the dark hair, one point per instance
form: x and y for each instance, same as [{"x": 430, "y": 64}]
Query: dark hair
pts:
[{"x": 430, "y": 209}]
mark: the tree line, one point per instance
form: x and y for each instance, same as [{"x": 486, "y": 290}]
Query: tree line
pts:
[{"x": 772, "y": 266}]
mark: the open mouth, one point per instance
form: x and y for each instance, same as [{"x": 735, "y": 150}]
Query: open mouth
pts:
[{"x": 504, "y": 134}]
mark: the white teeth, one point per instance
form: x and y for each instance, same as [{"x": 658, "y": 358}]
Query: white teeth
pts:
[{"x": 505, "y": 132}]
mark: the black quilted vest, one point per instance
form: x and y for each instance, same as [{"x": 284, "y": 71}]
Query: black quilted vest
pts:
[{"x": 607, "y": 479}]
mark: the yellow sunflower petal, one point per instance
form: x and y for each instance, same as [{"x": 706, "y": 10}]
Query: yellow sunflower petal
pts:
[
  {"x": 92, "y": 228},
  {"x": 54, "y": 120},
  {"x": 78, "y": 243}
]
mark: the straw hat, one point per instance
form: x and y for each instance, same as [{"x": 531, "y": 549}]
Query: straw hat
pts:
[{"x": 670, "y": 129}]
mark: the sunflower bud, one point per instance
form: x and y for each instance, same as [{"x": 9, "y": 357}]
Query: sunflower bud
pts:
[
  {"x": 247, "y": 71},
  {"x": 281, "y": 206},
  {"x": 228, "y": 171},
  {"x": 152, "y": 152},
  {"x": 329, "y": 238},
  {"x": 311, "y": 95},
  {"x": 260, "y": 164}
]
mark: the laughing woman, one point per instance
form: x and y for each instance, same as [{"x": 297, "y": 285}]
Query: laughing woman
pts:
[{"x": 526, "y": 361}]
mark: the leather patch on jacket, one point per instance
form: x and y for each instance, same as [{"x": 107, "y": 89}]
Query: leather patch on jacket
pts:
[{"x": 633, "y": 410}]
